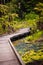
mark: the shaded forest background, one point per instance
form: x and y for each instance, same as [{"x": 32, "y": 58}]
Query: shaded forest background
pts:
[{"x": 17, "y": 14}]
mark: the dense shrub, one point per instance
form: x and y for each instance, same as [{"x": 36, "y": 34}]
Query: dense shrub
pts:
[
  {"x": 3, "y": 10},
  {"x": 31, "y": 16}
]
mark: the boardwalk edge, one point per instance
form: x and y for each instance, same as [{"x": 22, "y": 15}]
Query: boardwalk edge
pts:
[{"x": 16, "y": 53}]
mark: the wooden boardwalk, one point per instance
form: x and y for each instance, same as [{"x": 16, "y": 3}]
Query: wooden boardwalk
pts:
[{"x": 7, "y": 56}]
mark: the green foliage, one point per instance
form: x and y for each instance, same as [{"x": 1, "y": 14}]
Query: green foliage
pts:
[
  {"x": 35, "y": 36},
  {"x": 3, "y": 10},
  {"x": 39, "y": 8},
  {"x": 21, "y": 14},
  {"x": 32, "y": 55},
  {"x": 31, "y": 16},
  {"x": 23, "y": 6},
  {"x": 1, "y": 20}
]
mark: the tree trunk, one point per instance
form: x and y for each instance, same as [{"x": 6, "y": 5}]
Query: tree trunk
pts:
[{"x": 4, "y": 1}]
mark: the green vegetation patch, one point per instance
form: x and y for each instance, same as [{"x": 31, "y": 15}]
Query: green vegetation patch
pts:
[{"x": 29, "y": 52}]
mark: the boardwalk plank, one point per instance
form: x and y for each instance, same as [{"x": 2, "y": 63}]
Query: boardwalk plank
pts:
[{"x": 7, "y": 56}]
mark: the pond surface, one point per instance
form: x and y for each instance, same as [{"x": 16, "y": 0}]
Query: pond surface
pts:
[{"x": 29, "y": 51}]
